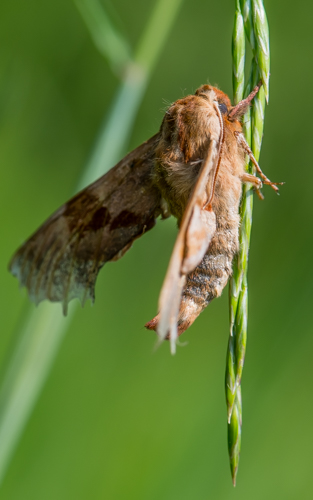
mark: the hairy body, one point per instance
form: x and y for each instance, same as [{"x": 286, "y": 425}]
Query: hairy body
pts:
[
  {"x": 187, "y": 128},
  {"x": 193, "y": 169}
]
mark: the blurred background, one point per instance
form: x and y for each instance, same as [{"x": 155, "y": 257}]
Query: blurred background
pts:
[{"x": 117, "y": 419}]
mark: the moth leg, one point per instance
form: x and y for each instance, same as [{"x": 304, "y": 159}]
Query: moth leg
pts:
[
  {"x": 252, "y": 179},
  {"x": 242, "y": 141},
  {"x": 264, "y": 178},
  {"x": 257, "y": 183}
]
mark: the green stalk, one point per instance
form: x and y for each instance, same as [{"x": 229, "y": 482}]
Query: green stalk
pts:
[
  {"x": 239, "y": 53},
  {"x": 41, "y": 335},
  {"x": 252, "y": 15},
  {"x": 262, "y": 43},
  {"x": 246, "y": 10},
  {"x": 110, "y": 43}
]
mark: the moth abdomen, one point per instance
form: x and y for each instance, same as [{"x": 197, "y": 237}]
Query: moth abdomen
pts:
[
  {"x": 203, "y": 285},
  {"x": 206, "y": 282}
]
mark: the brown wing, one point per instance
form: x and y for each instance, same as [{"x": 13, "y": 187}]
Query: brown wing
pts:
[
  {"x": 62, "y": 259},
  {"x": 195, "y": 233}
]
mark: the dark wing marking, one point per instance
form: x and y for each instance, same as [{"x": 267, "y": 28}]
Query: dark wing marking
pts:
[{"x": 62, "y": 259}]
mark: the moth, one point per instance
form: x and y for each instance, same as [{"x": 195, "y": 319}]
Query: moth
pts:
[{"x": 193, "y": 169}]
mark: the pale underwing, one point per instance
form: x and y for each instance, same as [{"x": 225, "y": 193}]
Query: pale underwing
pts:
[{"x": 193, "y": 168}]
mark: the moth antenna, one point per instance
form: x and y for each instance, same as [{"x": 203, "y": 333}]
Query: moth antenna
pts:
[
  {"x": 243, "y": 143},
  {"x": 243, "y": 105}
]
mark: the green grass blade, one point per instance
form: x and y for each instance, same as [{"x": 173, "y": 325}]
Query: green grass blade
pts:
[
  {"x": 252, "y": 15},
  {"x": 238, "y": 51},
  {"x": 37, "y": 346},
  {"x": 262, "y": 43},
  {"x": 246, "y": 10},
  {"x": 156, "y": 32},
  {"x": 108, "y": 40}
]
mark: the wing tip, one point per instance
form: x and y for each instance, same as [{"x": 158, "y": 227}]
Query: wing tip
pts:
[{"x": 153, "y": 323}]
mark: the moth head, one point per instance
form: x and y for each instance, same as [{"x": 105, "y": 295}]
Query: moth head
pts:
[
  {"x": 231, "y": 113},
  {"x": 212, "y": 94}
]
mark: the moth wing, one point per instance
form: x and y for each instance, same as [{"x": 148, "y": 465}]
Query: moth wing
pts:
[
  {"x": 197, "y": 222},
  {"x": 200, "y": 231},
  {"x": 62, "y": 259}
]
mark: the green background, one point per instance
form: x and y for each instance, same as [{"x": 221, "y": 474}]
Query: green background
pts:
[{"x": 116, "y": 419}]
